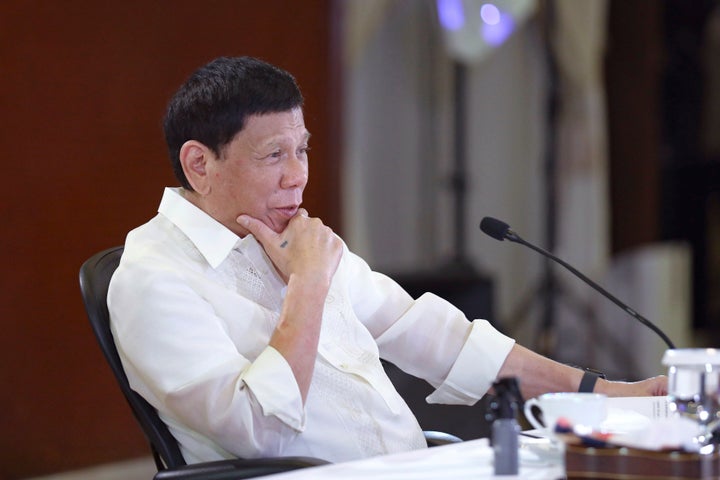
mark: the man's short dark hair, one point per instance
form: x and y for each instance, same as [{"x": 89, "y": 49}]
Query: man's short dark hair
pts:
[{"x": 212, "y": 105}]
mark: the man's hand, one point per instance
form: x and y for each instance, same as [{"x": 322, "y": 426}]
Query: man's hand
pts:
[
  {"x": 655, "y": 386},
  {"x": 306, "y": 254},
  {"x": 306, "y": 247}
]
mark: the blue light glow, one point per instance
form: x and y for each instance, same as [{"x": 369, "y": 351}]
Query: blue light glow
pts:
[
  {"x": 495, "y": 34},
  {"x": 490, "y": 14},
  {"x": 451, "y": 14}
]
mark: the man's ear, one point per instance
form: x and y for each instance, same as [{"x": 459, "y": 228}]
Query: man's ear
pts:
[{"x": 194, "y": 157}]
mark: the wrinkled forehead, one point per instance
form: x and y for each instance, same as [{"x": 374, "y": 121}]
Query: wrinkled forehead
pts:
[{"x": 298, "y": 116}]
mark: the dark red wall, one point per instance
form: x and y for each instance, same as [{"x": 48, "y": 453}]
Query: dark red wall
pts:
[
  {"x": 634, "y": 65},
  {"x": 83, "y": 86}
]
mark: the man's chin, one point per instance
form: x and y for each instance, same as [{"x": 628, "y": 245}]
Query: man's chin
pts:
[
  {"x": 279, "y": 229},
  {"x": 277, "y": 226}
]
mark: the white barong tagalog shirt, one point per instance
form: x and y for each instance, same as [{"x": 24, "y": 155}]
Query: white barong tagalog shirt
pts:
[{"x": 193, "y": 307}]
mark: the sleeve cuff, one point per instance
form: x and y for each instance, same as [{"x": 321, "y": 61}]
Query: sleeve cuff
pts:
[
  {"x": 476, "y": 368},
  {"x": 272, "y": 383}
]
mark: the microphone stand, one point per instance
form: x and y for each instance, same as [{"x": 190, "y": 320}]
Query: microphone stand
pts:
[
  {"x": 459, "y": 264},
  {"x": 553, "y": 105},
  {"x": 459, "y": 174},
  {"x": 549, "y": 289}
]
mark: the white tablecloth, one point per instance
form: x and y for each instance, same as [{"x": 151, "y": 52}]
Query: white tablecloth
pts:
[{"x": 539, "y": 459}]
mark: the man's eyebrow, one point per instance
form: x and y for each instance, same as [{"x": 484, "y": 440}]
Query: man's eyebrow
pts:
[{"x": 275, "y": 141}]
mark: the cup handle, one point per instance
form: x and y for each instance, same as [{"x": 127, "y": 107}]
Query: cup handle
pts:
[{"x": 530, "y": 416}]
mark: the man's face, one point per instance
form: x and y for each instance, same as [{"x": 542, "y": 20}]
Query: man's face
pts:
[{"x": 262, "y": 172}]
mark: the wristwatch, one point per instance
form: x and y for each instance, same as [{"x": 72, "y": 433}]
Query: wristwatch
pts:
[{"x": 589, "y": 379}]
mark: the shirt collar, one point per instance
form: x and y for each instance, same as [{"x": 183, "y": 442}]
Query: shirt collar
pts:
[{"x": 212, "y": 239}]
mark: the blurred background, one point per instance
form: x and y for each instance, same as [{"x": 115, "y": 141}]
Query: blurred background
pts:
[{"x": 592, "y": 127}]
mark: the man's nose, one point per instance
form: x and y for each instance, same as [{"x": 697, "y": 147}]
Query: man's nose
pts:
[{"x": 296, "y": 172}]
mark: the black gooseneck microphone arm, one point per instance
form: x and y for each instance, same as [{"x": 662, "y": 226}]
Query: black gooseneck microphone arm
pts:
[{"x": 500, "y": 230}]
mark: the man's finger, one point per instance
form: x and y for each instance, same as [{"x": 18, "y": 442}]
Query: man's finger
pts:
[{"x": 261, "y": 231}]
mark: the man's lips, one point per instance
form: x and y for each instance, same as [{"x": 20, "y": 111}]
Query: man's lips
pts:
[{"x": 288, "y": 211}]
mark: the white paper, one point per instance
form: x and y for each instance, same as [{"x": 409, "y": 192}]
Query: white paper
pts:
[{"x": 654, "y": 408}]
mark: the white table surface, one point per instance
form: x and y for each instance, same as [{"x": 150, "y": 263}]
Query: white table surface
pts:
[{"x": 539, "y": 459}]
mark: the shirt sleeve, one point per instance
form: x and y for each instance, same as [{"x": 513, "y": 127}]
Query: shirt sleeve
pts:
[
  {"x": 178, "y": 355},
  {"x": 429, "y": 337},
  {"x": 268, "y": 372},
  {"x": 475, "y": 368}
]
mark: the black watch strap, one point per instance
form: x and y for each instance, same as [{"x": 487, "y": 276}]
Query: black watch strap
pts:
[{"x": 589, "y": 379}]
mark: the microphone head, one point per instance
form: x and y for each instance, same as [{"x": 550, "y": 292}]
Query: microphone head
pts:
[{"x": 495, "y": 228}]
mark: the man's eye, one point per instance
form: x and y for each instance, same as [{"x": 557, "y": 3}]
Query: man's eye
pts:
[
  {"x": 275, "y": 154},
  {"x": 304, "y": 150}
]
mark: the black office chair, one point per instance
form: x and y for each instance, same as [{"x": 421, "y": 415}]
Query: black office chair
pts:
[{"x": 95, "y": 276}]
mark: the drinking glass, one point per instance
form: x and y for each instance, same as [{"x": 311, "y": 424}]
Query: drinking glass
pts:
[{"x": 694, "y": 389}]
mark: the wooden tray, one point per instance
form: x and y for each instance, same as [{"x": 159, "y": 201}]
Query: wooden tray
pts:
[{"x": 630, "y": 464}]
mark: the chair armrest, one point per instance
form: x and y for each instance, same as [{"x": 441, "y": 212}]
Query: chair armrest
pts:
[
  {"x": 237, "y": 468},
  {"x": 435, "y": 439}
]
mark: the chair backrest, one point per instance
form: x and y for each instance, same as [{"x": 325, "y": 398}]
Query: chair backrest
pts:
[{"x": 95, "y": 276}]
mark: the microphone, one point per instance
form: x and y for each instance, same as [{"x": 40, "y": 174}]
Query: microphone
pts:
[{"x": 500, "y": 230}]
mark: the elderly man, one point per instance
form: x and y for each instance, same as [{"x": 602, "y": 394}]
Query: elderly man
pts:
[{"x": 249, "y": 324}]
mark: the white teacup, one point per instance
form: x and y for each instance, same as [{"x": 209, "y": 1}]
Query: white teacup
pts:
[{"x": 586, "y": 409}]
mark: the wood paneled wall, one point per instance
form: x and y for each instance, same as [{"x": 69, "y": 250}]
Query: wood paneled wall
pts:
[
  {"x": 633, "y": 71},
  {"x": 83, "y": 87}
]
